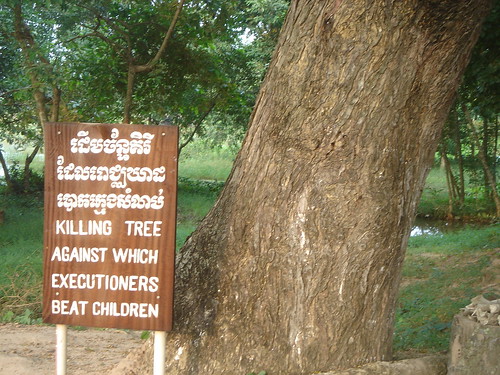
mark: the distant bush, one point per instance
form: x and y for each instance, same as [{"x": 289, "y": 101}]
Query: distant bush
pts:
[
  {"x": 190, "y": 185},
  {"x": 16, "y": 173}
]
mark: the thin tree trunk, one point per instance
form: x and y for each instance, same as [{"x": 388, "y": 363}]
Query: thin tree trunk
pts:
[
  {"x": 450, "y": 182},
  {"x": 6, "y": 172},
  {"x": 495, "y": 151},
  {"x": 27, "y": 169},
  {"x": 296, "y": 268},
  {"x": 482, "y": 158},
  {"x": 459, "y": 156},
  {"x": 485, "y": 143},
  {"x": 56, "y": 104}
]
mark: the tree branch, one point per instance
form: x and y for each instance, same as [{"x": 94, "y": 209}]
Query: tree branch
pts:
[
  {"x": 198, "y": 124},
  {"x": 133, "y": 69},
  {"x": 151, "y": 64},
  {"x": 5, "y": 93},
  {"x": 27, "y": 171},
  {"x": 95, "y": 33}
]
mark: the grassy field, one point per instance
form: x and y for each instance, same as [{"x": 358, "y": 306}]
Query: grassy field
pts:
[{"x": 442, "y": 272}]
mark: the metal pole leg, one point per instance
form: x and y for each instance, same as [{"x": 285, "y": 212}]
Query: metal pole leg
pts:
[{"x": 61, "y": 346}]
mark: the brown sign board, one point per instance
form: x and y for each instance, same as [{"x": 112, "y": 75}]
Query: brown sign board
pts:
[{"x": 109, "y": 225}]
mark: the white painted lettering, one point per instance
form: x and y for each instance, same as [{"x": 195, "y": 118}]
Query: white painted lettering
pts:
[
  {"x": 134, "y": 283},
  {"x": 128, "y": 255},
  {"x": 66, "y": 307},
  {"x": 83, "y": 227},
  {"x": 146, "y": 228},
  {"x": 138, "y": 310},
  {"x": 79, "y": 254}
]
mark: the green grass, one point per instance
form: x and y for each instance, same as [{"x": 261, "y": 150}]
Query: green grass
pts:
[
  {"x": 441, "y": 274},
  {"x": 197, "y": 161},
  {"x": 193, "y": 203},
  {"x": 21, "y": 238},
  {"x": 471, "y": 238}
]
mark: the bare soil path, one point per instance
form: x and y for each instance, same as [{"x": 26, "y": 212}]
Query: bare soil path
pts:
[{"x": 30, "y": 350}]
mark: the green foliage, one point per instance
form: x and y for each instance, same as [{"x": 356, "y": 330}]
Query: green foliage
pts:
[
  {"x": 194, "y": 200},
  {"x": 27, "y": 317},
  {"x": 482, "y": 77},
  {"x": 200, "y": 186},
  {"x": 477, "y": 102},
  {"x": 205, "y": 82}
]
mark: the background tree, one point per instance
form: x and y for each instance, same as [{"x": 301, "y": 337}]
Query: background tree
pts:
[
  {"x": 187, "y": 81},
  {"x": 471, "y": 132},
  {"x": 86, "y": 50},
  {"x": 296, "y": 268},
  {"x": 205, "y": 81},
  {"x": 39, "y": 80}
]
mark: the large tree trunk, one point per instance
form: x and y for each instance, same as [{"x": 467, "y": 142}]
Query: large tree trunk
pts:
[{"x": 296, "y": 268}]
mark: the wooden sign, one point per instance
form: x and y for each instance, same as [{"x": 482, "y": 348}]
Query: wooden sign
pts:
[{"x": 109, "y": 229}]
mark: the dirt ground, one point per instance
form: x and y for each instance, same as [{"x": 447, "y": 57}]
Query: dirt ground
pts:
[{"x": 30, "y": 350}]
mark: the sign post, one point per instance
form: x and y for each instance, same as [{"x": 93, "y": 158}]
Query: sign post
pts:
[
  {"x": 159, "y": 353},
  {"x": 109, "y": 228},
  {"x": 61, "y": 348}
]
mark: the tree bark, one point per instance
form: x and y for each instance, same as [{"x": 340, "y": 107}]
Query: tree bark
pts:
[
  {"x": 296, "y": 268},
  {"x": 127, "y": 106},
  {"x": 429, "y": 365},
  {"x": 27, "y": 171}
]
